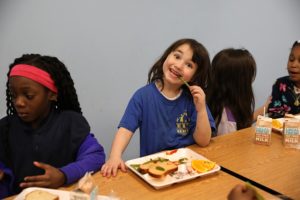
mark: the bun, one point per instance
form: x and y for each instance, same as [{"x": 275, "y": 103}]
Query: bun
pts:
[
  {"x": 41, "y": 195},
  {"x": 158, "y": 168}
]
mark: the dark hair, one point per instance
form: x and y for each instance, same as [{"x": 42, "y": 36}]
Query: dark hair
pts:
[
  {"x": 66, "y": 96},
  {"x": 232, "y": 72},
  {"x": 200, "y": 57},
  {"x": 297, "y": 42}
]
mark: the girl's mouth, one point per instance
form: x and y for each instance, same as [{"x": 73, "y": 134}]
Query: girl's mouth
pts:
[
  {"x": 177, "y": 74},
  {"x": 22, "y": 115}
]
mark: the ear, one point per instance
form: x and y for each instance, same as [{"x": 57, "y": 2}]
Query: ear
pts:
[{"x": 52, "y": 96}]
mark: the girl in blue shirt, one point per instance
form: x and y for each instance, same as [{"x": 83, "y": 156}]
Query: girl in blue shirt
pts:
[
  {"x": 170, "y": 110},
  {"x": 44, "y": 139}
]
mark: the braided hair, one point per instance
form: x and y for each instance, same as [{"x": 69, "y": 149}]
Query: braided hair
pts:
[{"x": 66, "y": 96}]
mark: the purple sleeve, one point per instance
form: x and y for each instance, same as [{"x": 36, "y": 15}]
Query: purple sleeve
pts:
[
  {"x": 90, "y": 157},
  {"x": 6, "y": 184}
]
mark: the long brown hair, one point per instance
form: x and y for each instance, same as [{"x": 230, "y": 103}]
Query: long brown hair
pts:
[
  {"x": 232, "y": 72},
  {"x": 200, "y": 57}
]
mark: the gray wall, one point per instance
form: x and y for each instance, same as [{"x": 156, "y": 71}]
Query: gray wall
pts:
[{"x": 109, "y": 46}]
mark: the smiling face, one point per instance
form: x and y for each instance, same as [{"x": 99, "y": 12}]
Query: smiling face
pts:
[
  {"x": 293, "y": 65},
  {"x": 31, "y": 100},
  {"x": 179, "y": 63}
]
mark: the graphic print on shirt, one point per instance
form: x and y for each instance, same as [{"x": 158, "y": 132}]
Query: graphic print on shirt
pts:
[{"x": 182, "y": 124}]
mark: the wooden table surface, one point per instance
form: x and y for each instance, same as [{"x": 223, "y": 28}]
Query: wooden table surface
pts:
[
  {"x": 273, "y": 166},
  {"x": 128, "y": 186}
]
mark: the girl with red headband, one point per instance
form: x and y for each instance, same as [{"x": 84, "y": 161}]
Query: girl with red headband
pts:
[{"x": 44, "y": 139}]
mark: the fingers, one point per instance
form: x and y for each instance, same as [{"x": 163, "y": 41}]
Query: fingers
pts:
[
  {"x": 41, "y": 165},
  {"x": 106, "y": 170},
  {"x": 110, "y": 168},
  {"x": 196, "y": 90},
  {"x": 123, "y": 167},
  {"x": 1, "y": 174},
  {"x": 34, "y": 184},
  {"x": 51, "y": 178}
]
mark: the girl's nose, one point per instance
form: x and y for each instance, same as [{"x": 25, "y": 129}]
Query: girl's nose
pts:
[
  {"x": 294, "y": 64},
  {"x": 19, "y": 102},
  {"x": 179, "y": 64}
]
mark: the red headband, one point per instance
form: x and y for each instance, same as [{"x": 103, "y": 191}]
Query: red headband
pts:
[{"x": 35, "y": 74}]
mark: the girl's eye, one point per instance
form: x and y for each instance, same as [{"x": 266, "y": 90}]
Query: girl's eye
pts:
[
  {"x": 189, "y": 65},
  {"x": 29, "y": 97},
  {"x": 291, "y": 58},
  {"x": 177, "y": 56}
]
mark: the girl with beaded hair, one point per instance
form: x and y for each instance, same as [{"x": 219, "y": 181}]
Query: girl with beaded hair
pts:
[
  {"x": 45, "y": 140},
  {"x": 286, "y": 89}
]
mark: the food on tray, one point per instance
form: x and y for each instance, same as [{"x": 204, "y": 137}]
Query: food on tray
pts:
[
  {"x": 182, "y": 158},
  {"x": 41, "y": 194},
  {"x": 277, "y": 124},
  {"x": 203, "y": 165},
  {"x": 158, "y": 168},
  {"x": 171, "y": 152}
]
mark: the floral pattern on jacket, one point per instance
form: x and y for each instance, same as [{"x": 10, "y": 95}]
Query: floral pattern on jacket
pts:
[{"x": 284, "y": 98}]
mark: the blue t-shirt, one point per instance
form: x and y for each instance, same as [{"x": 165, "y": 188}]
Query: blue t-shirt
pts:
[{"x": 164, "y": 124}]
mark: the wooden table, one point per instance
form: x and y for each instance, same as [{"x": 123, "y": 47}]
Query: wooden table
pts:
[
  {"x": 128, "y": 186},
  {"x": 273, "y": 166}
]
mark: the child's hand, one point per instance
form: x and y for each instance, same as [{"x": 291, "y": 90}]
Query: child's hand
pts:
[
  {"x": 198, "y": 96},
  {"x": 111, "y": 167},
  {"x": 241, "y": 192},
  {"x": 1, "y": 174},
  {"x": 53, "y": 177}
]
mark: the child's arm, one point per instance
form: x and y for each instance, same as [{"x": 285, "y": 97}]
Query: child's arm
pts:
[
  {"x": 202, "y": 133},
  {"x": 115, "y": 161},
  {"x": 90, "y": 157},
  {"x": 1, "y": 174}
]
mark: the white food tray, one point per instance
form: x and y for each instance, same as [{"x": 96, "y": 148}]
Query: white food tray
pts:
[{"x": 170, "y": 179}]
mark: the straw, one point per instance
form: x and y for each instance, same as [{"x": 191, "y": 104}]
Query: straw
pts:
[{"x": 264, "y": 111}]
